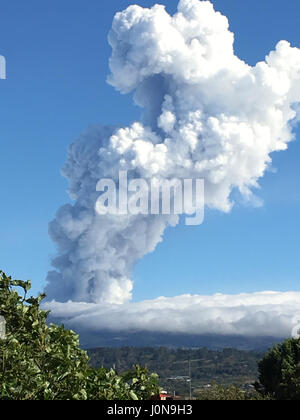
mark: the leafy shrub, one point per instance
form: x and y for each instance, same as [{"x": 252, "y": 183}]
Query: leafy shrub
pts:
[{"x": 44, "y": 362}]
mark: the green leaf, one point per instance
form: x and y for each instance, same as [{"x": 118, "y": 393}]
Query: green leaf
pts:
[{"x": 133, "y": 395}]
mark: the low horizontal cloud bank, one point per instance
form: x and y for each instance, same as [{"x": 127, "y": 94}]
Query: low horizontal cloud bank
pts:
[{"x": 257, "y": 314}]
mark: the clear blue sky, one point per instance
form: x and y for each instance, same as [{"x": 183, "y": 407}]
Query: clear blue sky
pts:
[{"x": 57, "y": 62}]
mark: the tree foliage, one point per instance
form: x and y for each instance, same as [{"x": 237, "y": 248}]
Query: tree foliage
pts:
[
  {"x": 279, "y": 371},
  {"x": 228, "y": 393},
  {"x": 44, "y": 362}
]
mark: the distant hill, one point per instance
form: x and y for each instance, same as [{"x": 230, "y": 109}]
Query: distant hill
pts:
[
  {"x": 229, "y": 366},
  {"x": 151, "y": 339}
]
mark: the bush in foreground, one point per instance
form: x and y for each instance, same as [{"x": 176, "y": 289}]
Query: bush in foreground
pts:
[{"x": 44, "y": 362}]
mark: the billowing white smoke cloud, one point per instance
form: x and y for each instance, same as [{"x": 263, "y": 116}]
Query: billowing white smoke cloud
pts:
[
  {"x": 207, "y": 114},
  {"x": 274, "y": 314}
]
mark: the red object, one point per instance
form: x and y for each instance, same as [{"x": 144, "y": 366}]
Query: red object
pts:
[{"x": 161, "y": 397}]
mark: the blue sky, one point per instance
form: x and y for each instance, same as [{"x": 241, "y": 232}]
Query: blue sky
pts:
[{"x": 57, "y": 62}]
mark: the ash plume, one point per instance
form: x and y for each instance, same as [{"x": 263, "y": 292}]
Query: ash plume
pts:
[{"x": 206, "y": 114}]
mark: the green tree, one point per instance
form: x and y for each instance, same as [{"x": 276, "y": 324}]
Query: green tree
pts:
[
  {"x": 45, "y": 362},
  {"x": 279, "y": 371}
]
